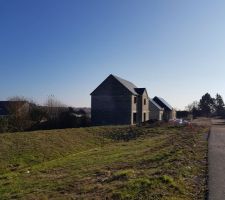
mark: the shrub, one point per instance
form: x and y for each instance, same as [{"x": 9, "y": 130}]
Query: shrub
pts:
[{"x": 3, "y": 125}]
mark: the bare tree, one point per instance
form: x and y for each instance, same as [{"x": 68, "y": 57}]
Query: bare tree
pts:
[
  {"x": 54, "y": 107},
  {"x": 18, "y": 108},
  {"x": 193, "y": 105}
]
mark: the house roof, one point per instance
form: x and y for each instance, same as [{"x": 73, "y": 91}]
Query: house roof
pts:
[
  {"x": 3, "y": 108},
  {"x": 5, "y": 105},
  {"x": 162, "y": 102},
  {"x": 127, "y": 84},
  {"x": 140, "y": 90},
  {"x": 156, "y": 105},
  {"x": 130, "y": 86}
]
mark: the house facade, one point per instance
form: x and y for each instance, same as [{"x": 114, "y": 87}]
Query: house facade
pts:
[{"x": 117, "y": 101}]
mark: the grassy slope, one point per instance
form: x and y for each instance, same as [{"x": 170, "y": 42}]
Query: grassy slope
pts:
[{"x": 159, "y": 163}]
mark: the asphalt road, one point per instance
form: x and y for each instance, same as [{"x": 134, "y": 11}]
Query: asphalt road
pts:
[{"x": 216, "y": 159}]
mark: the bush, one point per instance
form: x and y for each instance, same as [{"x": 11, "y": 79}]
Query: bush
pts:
[
  {"x": 3, "y": 125},
  {"x": 37, "y": 113}
]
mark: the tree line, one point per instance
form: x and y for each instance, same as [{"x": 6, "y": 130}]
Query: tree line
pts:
[
  {"x": 26, "y": 115},
  {"x": 207, "y": 106}
]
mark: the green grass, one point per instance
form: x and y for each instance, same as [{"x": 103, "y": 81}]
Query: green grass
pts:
[{"x": 104, "y": 162}]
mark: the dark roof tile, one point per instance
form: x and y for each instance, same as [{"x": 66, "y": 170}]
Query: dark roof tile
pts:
[
  {"x": 155, "y": 104},
  {"x": 130, "y": 86},
  {"x": 140, "y": 91},
  {"x": 163, "y": 103}
]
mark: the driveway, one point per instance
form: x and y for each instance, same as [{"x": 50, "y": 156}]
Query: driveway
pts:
[{"x": 216, "y": 158}]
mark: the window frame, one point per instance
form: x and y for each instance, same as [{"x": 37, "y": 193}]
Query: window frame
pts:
[
  {"x": 145, "y": 102},
  {"x": 135, "y": 99}
]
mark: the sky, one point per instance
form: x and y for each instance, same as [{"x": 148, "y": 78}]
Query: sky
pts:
[{"x": 66, "y": 48}]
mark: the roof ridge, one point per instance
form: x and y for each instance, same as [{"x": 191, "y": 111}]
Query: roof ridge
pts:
[
  {"x": 117, "y": 77},
  {"x": 129, "y": 85}
]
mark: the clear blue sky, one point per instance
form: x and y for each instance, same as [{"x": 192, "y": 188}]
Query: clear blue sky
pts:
[{"x": 174, "y": 48}]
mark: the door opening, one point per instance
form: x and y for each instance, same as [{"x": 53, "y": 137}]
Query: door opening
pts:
[{"x": 134, "y": 118}]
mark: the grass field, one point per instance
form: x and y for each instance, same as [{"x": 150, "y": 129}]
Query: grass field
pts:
[{"x": 105, "y": 163}]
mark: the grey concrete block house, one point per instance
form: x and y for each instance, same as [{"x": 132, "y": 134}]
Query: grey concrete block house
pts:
[
  {"x": 161, "y": 109},
  {"x": 156, "y": 111},
  {"x": 117, "y": 101}
]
